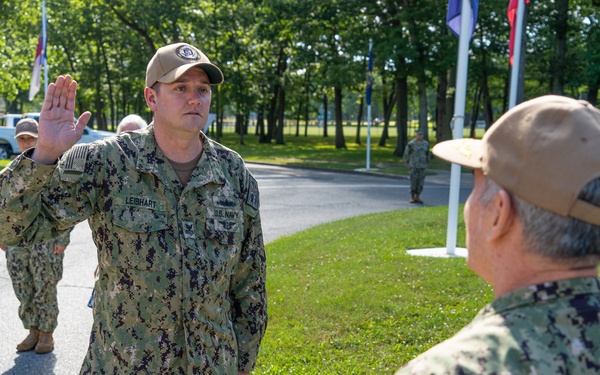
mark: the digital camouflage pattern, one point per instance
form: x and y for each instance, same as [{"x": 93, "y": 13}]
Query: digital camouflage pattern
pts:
[
  {"x": 181, "y": 287},
  {"x": 551, "y": 328},
  {"x": 416, "y": 154},
  {"x": 35, "y": 272},
  {"x": 416, "y": 157}
]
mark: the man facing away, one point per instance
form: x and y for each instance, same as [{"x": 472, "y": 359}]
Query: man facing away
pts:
[
  {"x": 174, "y": 216},
  {"x": 35, "y": 271},
  {"x": 416, "y": 157},
  {"x": 533, "y": 232}
]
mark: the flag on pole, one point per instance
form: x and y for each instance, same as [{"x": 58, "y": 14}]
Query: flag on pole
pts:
[
  {"x": 453, "y": 16},
  {"x": 369, "y": 73},
  {"x": 511, "y": 14},
  {"x": 40, "y": 59}
]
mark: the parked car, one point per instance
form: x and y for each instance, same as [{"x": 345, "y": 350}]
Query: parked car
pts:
[{"x": 8, "y": 143}]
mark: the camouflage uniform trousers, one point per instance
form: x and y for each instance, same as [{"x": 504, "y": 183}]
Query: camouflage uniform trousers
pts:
[
  {"x": 35, "y": 272},
  {"x": 417, "y": 180}
]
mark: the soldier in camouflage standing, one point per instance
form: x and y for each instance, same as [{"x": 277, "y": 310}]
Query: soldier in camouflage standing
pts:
[
  {"x": 533, "y": 232},
  {"x": 35, "y": 271},
  {"x": 174, "y": 216},
  {"x": 416, "y": 157}
]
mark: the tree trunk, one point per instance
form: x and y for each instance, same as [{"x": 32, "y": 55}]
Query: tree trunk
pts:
[
  {"x": 561, "y": 27},
  {"x": 359, "y": 121},
  {"x": 298, "y": 115},
  {"x": 280, "y": 117},
  {"x": 260, "y": 123},
  {"x": 272, "y": 115},
  {"x": 388, "y": 107},
  {"x": 593, "y": 91},
  {"x": 475, "y": 112},
  {"x": 325, "y": 115},
  {"x": 440, "y": 111},
  {"x": 340, "y": 140},
  {"x": 110, "y": 89},
  {"x": 306, "y": 115},
  {"x": 401, "y": 113},
  {"x": 423, "y": 126},
  {"x": 239, "y": 126}
]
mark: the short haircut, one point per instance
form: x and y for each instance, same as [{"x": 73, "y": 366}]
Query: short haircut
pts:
[
  {"x": 131, "y": 119},
  {"x": 551, "y": 235}
]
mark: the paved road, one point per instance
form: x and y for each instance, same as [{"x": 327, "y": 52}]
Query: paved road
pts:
[{"x": 291, "y": 200}]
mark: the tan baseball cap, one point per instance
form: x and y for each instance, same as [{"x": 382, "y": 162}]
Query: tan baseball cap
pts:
[
  {"x": 26, "y": 126},
  {"x": 171, "y": 61},
  {"x": 544, "y": 151}
]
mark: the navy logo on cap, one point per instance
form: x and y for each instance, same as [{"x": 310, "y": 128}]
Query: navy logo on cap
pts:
[{"x": 187, "y": 52}]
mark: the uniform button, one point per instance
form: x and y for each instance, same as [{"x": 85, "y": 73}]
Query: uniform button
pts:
[{"x": 28, "y": 171}]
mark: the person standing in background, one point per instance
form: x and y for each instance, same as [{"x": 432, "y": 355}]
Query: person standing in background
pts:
[
  {"x": 416, "y": 157},
  {"x": 36, "y": 270}
]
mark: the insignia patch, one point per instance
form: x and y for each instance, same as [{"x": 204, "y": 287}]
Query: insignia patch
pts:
[
  {"x": 75, "y": 158},
  {"x": 252, "y": 199},
  {"x": 186, "y": 52}
]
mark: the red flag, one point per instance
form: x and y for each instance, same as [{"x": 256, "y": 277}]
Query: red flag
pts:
[
  {"x": 512, "y": 19},
  {"x": 34, "y": 87}
]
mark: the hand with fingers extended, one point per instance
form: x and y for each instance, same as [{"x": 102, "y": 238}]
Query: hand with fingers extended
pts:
[{"x": 57, "y": 131}]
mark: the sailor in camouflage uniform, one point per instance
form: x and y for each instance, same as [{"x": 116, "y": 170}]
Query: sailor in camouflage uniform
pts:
[
  {"x": 175, "y": 217},
  {"x": 533, "y": 232},
  {"x": 35, "y": 271},
  {"x": 416, "y": 157}
]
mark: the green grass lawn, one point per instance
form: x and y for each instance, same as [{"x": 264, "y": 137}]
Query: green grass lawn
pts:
[{"x": 345, "y": 298}]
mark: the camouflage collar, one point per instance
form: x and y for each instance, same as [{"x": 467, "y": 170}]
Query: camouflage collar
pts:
[{"x": 152, "y": 160}]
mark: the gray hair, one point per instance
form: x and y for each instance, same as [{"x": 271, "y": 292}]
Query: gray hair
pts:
[
  {"x": 131, "y": 119},
  {"x": 551, "y": 235}
]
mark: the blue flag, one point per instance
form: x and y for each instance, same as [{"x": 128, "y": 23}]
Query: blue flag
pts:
[
  {"x": 369, "y": 71},
  {"x": 453, "y": 16}
]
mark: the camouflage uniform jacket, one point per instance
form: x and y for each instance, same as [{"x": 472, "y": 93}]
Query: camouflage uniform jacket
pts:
[
  {"x": 416, "y": 154},
  {"x": 551, "y": 328},
  {"x": 181, "y": 286}
]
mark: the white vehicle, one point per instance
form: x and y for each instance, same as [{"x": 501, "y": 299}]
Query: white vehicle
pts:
[{"x": 8, "y": 143}]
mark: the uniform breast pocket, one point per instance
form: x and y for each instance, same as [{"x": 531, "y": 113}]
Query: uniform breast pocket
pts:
[
  {"x": 226, "y": 230},
  {"x": 141, "y": 238}
]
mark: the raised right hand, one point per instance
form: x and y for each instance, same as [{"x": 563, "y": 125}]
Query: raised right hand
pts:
[{"x": 57, "y": 131}]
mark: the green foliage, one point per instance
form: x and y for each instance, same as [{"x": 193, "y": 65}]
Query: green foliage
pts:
[
  {"x": 307, "y": 48},
  {"x": 346, "y": 298}
]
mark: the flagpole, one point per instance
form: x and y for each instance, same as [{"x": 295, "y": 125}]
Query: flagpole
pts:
[
  {"x": 514, "y": 74},
  {"x": 458, "y": 121},
  {"x": 369, "y": 90},
  {"x": 44, "y": 35}
]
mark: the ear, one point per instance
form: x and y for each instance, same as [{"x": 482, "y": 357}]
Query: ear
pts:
[
  {"x": 151, "y": 98},
  {"x": 503, "y": 215}
]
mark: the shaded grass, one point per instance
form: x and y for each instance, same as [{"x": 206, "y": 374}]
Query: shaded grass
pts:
[{"x": 345, "y": 298}]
